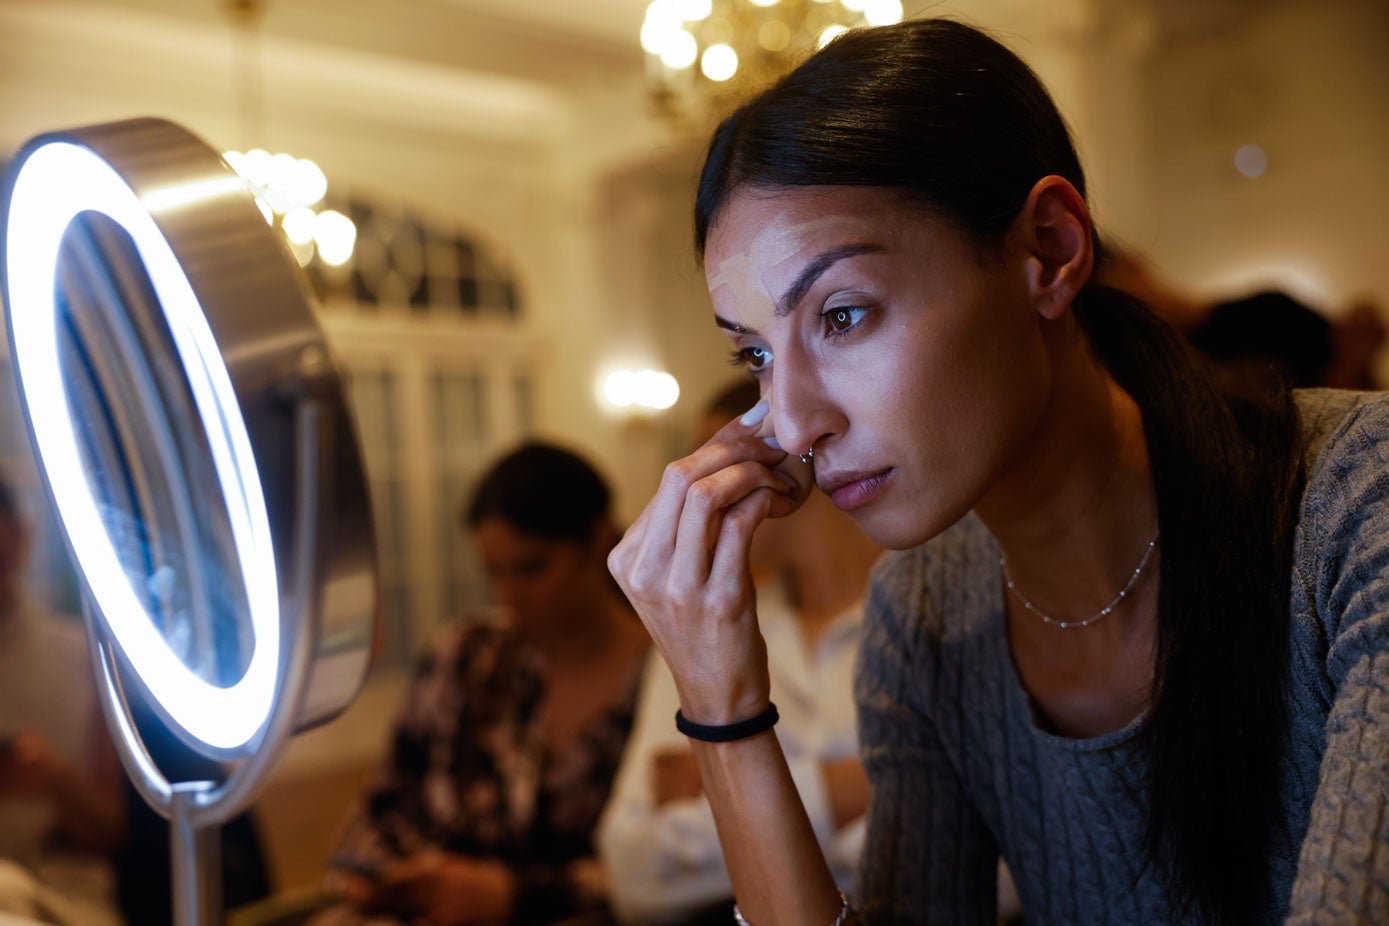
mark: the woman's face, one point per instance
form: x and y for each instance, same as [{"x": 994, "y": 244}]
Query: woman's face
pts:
[
  {"x": 912, "y": 360},
  {"x": 542, "y": 582}
]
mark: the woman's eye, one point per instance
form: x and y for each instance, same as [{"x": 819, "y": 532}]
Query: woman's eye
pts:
[
  {"x": 841, "y": 320},
  {"x": 755, "y": 357}
]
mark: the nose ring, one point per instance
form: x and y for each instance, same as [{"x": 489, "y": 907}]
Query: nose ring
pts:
[{"x": 808, "y": 455}]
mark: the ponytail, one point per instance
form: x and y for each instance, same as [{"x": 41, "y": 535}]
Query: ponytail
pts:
[{"x": 1215, "y": 728}]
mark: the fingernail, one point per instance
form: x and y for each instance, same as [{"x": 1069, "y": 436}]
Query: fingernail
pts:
[
  {"x": 755, "y": 414},
  {"x": 772, "y": 442}
]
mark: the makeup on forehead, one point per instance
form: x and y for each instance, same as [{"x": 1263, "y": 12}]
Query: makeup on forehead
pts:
[
  {"x": 815, "y": 269},
  {"x": 801, "y": 285}
]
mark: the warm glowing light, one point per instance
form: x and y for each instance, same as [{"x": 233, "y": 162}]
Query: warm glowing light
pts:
[
  {"x": 1251, "y": 161},
  {"x": 738, "y": 46},
  {"x": 308, "y": 182},
  {"x": 692, "y": 11},
  {"x": 287, "y": 186},
  {"x": 830, "y": 33},
  {"x": 655, "y": 390},
  {"x": 620, "y": 388},
  {"x": 882, "y": 12},
  {"x": 56, "y": 182},
  {"x": 300, "y": 225},
  {"x": 720, "y": 62},
  {"x": 664, "y": 16},
  {"x": 255, "y": 167},
  {"x": 653, "y": 36},
  {"x": 679, "y": 50},
  {"x": 336, "y": 236}
]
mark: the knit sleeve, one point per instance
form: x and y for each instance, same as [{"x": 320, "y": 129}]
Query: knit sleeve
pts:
[
  {"x": 928, "y": 857},
  {"x": 1343, "y": 868}
]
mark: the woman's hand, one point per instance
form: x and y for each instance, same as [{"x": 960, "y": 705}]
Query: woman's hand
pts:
[{"x": 684, "y": 567}]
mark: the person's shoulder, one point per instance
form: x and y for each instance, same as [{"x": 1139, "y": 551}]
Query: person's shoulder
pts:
[
  {"x": 939, "y": 579},
  {"x": 1329, "y": 417}
]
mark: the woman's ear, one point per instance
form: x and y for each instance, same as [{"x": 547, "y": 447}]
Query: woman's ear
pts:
[{"x": 1054, "y": 232}]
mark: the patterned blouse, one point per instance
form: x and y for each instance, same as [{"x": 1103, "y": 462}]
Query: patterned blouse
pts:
[{"x": 469, "y": 772}]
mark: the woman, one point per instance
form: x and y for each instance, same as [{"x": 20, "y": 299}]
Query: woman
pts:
[
  {"x": 1136, "y": 641},
  {"x": 657, "y": 835},
  {"x": 510, "y": 736}
]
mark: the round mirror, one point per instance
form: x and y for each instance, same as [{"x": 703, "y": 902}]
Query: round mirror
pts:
[{"x": 195, "y": 444}]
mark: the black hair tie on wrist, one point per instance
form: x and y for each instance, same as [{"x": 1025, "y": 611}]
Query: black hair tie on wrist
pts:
[{"x": 729, "y": 731}]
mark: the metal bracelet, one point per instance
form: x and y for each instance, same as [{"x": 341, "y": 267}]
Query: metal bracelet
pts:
[{"x": 845, "y": 911}]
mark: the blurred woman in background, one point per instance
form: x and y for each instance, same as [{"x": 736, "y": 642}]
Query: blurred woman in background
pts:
[{"x": 511, "y": 733}]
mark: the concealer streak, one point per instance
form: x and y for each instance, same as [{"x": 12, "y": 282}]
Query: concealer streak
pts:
[{"x": 769, "y": 251}]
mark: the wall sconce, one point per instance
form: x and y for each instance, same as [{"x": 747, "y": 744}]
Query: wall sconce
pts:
[{"x": 640, "y": 390}]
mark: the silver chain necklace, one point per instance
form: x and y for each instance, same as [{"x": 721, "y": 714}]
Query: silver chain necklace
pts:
[{"x": 1098, "y": 615}]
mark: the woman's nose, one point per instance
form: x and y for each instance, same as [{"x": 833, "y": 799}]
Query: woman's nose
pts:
[{"x": 802, "y": 415}]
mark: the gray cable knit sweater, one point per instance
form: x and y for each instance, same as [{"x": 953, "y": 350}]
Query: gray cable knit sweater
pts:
[{"x": 961, "y": 773}]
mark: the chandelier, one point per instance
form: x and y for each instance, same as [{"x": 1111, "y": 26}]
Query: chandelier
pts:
[
  {"x": 705, "y": 56},
  {"x": 288, "y": 190}
]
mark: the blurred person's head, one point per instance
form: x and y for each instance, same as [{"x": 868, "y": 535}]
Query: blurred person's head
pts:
[
  {"x": 1264, "y": 340},
  {"x": 541, "y": 521}
]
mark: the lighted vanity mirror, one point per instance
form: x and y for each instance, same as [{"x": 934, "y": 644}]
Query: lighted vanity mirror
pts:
[{"x": 194, "y": 440}]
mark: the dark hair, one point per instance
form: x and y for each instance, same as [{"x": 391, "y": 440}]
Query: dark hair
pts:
[
  {"x": 544, "y": 491},
  {"x": 957, "y": 123}
]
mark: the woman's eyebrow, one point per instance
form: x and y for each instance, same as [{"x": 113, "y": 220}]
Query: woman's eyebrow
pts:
[
  {"x": 822, "y": 262},
  {"x": 734, "y": 327}
]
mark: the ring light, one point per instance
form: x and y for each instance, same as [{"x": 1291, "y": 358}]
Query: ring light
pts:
[{"x": 196, "y": 446}]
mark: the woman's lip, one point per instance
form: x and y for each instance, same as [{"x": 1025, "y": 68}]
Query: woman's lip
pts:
[{"x": 850, "y": 490}]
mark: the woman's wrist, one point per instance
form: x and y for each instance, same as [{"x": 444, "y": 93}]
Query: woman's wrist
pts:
[
  {"x": 724, "y": 733},
  {"x": 724, "y": 703}
]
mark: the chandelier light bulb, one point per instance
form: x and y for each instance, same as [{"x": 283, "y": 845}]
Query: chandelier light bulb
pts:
[
  {"x": 693, "y": 11},
  {"x": 653, "y": 35},
  {"x": 830, "y": 33},
  {"x": 336, "y": 236},
  {"x": 309, "y": 183},
  {"x": 720, "y": 62},
  {"x": 664, "y": 16},
  {"x": 739, "y": 47},
  {"x": 256, "y": 166},
  {"x": 299, "y": 224},
  {"x": 679, "y": 50},
  {"x": 882, "y": 12}
]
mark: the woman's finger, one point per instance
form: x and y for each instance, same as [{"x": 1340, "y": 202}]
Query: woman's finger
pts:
[
  {"x": 649, "y": 554},
  {"x": 702, "y": 516},
  {"x": 730, "y": 560}
]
